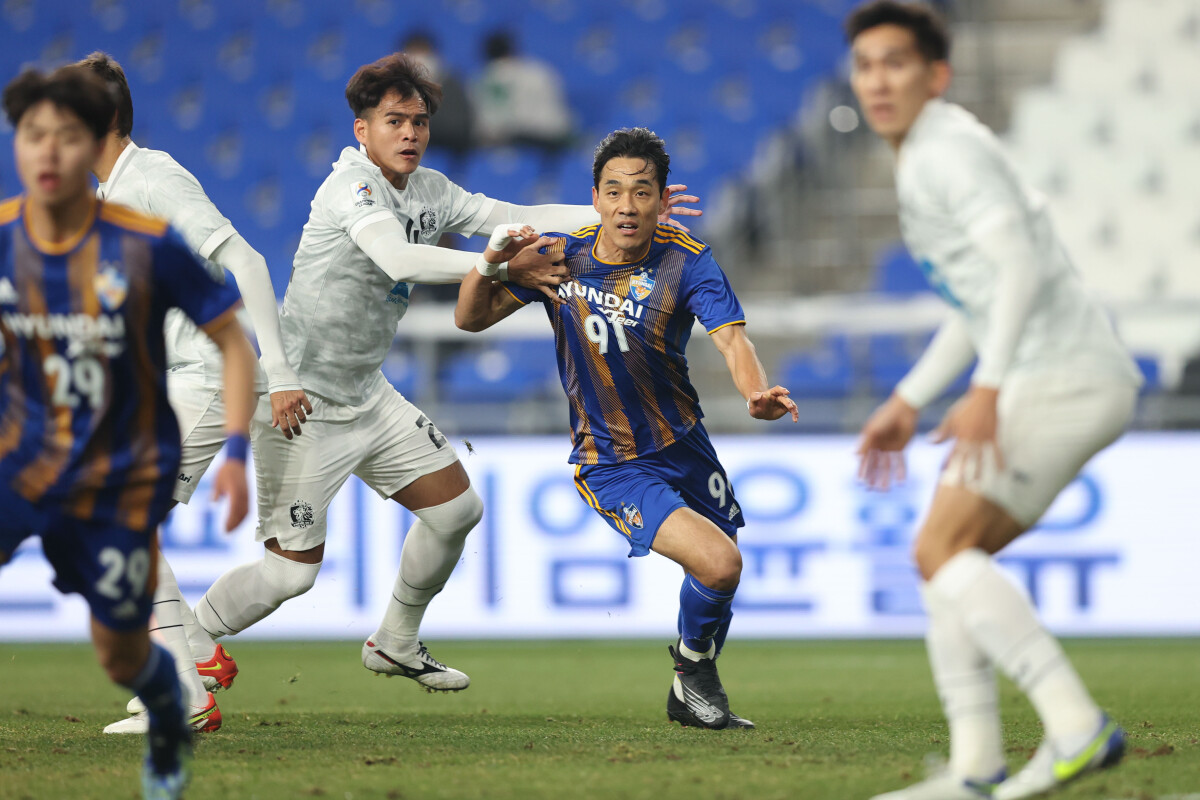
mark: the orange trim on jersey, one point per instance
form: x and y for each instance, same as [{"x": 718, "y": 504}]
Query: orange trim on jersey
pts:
[
  {"x": 684, "y": 241},
  {"x": 633, "y": 263},
  {"x": 68, "y": 244},
  {"x": 10, "y": 209},
  {"x": 726, "y": 325},
  {"x": 513, "y": 296},
  {"x": 131, "y": 220},
  {"x": 586, "y": 231},
  {"x": 221, "y": 320},
  {"x": 680, "y": 233}
]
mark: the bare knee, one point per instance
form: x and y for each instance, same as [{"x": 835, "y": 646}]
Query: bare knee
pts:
[
  {"x": 935, "y": 546},
  {"x": 723, "y": 571},
  {"x": 122, "y": 664}
]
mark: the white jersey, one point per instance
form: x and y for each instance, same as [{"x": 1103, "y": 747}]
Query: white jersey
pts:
[
  {"x": 340, "y": 312},
  {"x": 954, "y": 183},
  {"x": 152, "y": 182}
]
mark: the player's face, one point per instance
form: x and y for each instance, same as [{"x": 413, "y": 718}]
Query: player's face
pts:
[
  {"x": 54, "y": 152},
  {"x": 396, "y": 133},
  {"x": 629, "y": 201},
  {"x": 892, "y": 80}
]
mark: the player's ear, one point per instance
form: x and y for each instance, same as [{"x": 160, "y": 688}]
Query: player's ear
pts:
[
  {"x": 596, "y": 199},
  {"x": 360, "y": 130},
  {"x": 941, "y": 77}
]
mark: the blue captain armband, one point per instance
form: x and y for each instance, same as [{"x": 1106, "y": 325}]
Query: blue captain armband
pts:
[{"x": 236, "y": 446}]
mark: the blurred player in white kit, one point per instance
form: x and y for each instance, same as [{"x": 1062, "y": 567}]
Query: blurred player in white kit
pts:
[
  {"x": 154, "y": 183},
  {"x": 1053, "y": 387},
  {"x": 370, "y": 235}
]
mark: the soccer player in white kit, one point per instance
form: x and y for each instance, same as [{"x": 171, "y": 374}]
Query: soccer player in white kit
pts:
[
  {"x": 1053, "y": 386},
  {"x": 152, "y": 182},
  {"x": 371, "y": 235}
]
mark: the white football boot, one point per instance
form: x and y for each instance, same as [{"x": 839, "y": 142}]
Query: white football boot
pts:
[
  {"x": 1048, "y": 769},
  {"x": 420, "y": 667}
]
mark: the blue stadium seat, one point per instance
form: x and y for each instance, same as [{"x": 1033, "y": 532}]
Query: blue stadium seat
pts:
[
  {"x": 897, "y": 273},
  {"x": 1150, "y": 373},
  {"x": 403, "y": 370},
  {"x": 501, "y": 372},
  {"x": 825, "y": 371},
  {"x": 890, "y": 357}
]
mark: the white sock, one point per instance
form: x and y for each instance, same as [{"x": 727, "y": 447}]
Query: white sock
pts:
[
  {"x": 167, "y": 627},
  {"x": 695, "y": 655},
  {"x": 200, "y": 643},
  {"x": 431, "y": 550},
  {"x": 1001, "y": 621},
  {"x": 246, "y": 594},
  {"x": 966, "y": 684}
]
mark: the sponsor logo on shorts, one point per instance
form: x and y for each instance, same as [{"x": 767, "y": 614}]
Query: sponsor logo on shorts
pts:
[
  {"x": 633, "y": 516},
  {"x": 428, "y": 222},
  {"x": 302, "y": 514},
  {"x": 362, "y": 194},
  {"x": 734, "y": 510},
  {"x": 126, "y": 610}
]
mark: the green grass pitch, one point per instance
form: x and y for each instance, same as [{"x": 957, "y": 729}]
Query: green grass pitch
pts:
[{"x": 568, "y": 719}]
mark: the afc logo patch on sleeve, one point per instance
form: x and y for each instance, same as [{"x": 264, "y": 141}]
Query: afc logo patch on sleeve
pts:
[{"x": 362, "y": 194}]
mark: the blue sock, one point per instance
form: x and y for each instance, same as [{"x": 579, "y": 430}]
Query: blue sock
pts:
[
  {"x": 723, "y": 631},
  {"x": 157, "y": 686},
  {"x": 701, "y": 613}
]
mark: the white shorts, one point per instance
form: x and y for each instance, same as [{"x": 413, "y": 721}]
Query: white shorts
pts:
[
  {"x": 386, "y": 441},
  {"x": 1049, "y": 426},
  {"x": 201, "y": 415}
]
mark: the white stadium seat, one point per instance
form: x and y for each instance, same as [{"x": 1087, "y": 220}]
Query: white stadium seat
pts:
[
  {"x": 1150, "y": 23},
  {"x": 1088, "y": 67},
  {"x": 1047, "y": 117},
  {"x": 1154, "y": 121}
]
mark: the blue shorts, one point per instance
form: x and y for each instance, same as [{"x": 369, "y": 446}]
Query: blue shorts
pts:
[
  {"x": 114, "y": 568},
  {"x": 634, "y": 497}
]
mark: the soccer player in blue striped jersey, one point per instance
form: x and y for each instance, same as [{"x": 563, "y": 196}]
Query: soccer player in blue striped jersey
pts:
[
  {"x": 643, "y": 459},
  {"x": 89, "y": 447}
]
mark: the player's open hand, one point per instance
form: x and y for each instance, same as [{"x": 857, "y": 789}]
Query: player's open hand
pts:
[
  {"x": 288, "y": 409},
  {"x": 772, "y": 404},
  {"x": 231, "y": 483},
  {"x": 674, "y": 207},
  {"x": 541, "y": 266},
  {"x": 881, "y": 444},
  {"x": 507, "y": 241},
  {"x": 971, "y": 423}
]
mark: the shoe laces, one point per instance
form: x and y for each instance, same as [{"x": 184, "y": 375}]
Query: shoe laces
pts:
[{"x": 423, "y": 654}]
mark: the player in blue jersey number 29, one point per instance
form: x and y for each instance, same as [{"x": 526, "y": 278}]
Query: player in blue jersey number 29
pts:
[
  {"x": 89, "y": 447},
  {"x": 643, "y": 459}
]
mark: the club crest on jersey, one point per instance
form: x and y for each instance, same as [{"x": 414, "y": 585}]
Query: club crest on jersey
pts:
[
  {"x": 428, "y": 222},
  {"x": 111, "y": 286},
  {"x": 642, "y": 284},
  {"x": 362, "y": 194},
  {"x": 633, "y": 516},
  {"x": 302, "y": 514}
]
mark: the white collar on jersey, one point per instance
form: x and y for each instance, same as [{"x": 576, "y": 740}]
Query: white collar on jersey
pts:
[{"x": 122, "y": 160}]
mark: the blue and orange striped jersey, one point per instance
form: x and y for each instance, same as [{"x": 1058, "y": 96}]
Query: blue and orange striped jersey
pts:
[
  {"x": 84, "y": 419},
  {"x": 621, "y": 336}
]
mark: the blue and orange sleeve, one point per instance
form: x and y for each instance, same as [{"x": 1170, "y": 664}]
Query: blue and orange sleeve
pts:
[
  {"x": 185, "y": 283},
  {"x": 708, "y": 294}
]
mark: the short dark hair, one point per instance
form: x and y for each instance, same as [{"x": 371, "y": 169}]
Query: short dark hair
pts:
[
  {"x": 398, "y": 71},
  {"x": 109, "y": 71},
  {"x": 73, "y": 88},
  {"x": 633, "y": 143},
  {"x": 926, "y": 25}
]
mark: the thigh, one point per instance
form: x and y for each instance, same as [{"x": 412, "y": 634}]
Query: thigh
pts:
[
  {"x": 1048, "y": 430},
  {"x": 298, "y": 478},
  {"x": 693, "y": 541},
  {"x": 111, "y": 566},
  {"x": 201, "y": 416},
  {"x": 404, "y": 446},
  {"x": 631, "y": 499},
  {"x": 960, "y": 519}
]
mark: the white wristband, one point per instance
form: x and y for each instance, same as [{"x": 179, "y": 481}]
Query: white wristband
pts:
[
  {"x": 486, "y": 268},
  {"x": 502, "y": 275}
]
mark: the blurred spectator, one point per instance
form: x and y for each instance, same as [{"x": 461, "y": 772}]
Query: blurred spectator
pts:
[
  {"x": 454, "y": 125},
  {"x": 520, "y": 100}
]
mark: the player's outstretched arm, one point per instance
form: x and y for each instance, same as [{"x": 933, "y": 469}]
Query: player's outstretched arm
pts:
[
  {"x": 482, "y": 299},
  {"x": 749, "y": 376},
  {"x": 239, "y": 405},
  {"x": 288, "y": 400},
  {"x": 562, "y": 217}
]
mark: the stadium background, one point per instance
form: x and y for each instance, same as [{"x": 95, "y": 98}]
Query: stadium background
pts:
[{"x": 1099, "y": 101}]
